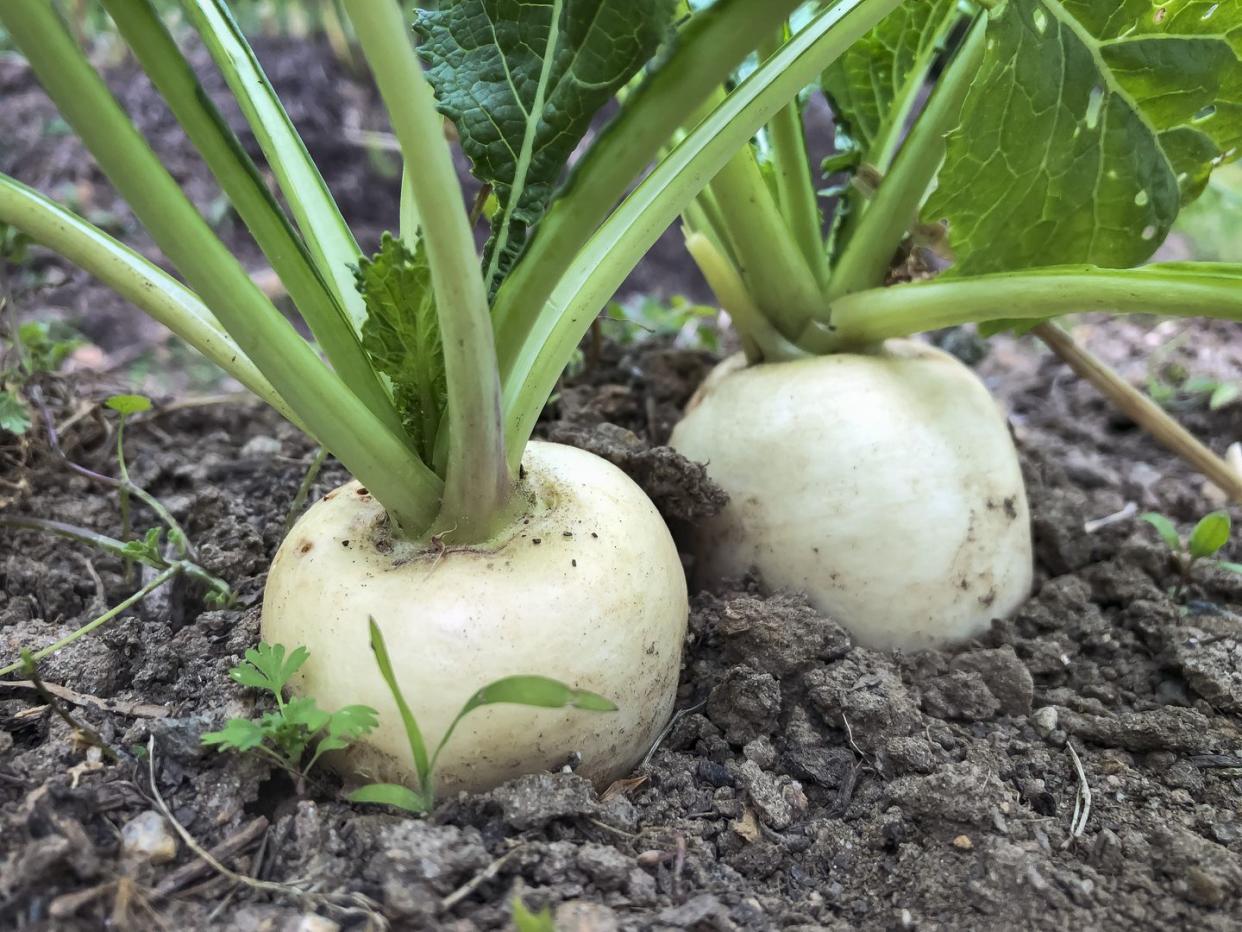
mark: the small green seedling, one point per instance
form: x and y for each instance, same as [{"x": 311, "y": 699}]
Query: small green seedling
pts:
[
  {"x": 33, "y": 348},
  {"x": 288, "y": 732},
  {"x": 1208, "y": 538},
  {"x": 526, "y": 921},
  {"x": 537, "y": 691}
]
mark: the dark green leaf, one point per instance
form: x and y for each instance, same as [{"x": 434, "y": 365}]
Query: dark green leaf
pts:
[
  {"x": 1087, "y": 127},
  {"x": 864, "y": 84},
  {"x": 1165, "y": 528},
  {"x": 402, "y": 337},
  {"x": 238, "y": 734},
  {"x": 129, "y": 404},
  {"x": 389, "y": 794},
  {"x": 1210, "y": 534},
  {"x": 14, "y": 417},
  {"x": 522, "y": 79}
]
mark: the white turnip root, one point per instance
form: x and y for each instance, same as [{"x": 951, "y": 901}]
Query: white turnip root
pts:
[
  {"x": 885, "y": 486},
  {"x": 586, "y": 587}
]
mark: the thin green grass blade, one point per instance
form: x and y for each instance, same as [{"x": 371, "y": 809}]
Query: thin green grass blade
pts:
[{"x": 412, "y": 732}]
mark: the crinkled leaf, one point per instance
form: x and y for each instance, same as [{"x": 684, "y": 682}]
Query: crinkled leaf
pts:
[
  {"x": 864, "y": 83},
  {"x": 521, "y": 80},
  {"x": 402, "y": 336},
  {"x": 1166, "y": 529},
  {"x": 1210, "y": 534},
  {"x": 1086, "y": 128},
  {"x": 390, "y": 794},
  {"x": 238, "y": 734},
  {"x": 46, "y": 345},
  {"x": 266, "y": 667},
  {"x": 14, "y": 416}
]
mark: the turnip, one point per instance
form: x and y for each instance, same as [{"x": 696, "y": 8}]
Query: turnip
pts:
[
  {"x": 820, "y": 454},
  {"x": 876, "y": 474},
  {"x": 478, "y": 554}
]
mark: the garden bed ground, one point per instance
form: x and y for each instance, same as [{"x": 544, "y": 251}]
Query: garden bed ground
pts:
[{"x": 806, "y": 783}]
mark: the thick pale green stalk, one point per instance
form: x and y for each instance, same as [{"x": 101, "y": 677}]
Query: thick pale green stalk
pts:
[
  {"x": 341, "y": 422},
  {"x": 794, "y": 183},
  {"x": 1176, "y": 290},
  {"x": 330, "y": 240},
  {"x": 601, "y": 266},
  {"x": 135, "y": 278},
  {"x": 868, "y": 253},
  {"x": 734, "y": 297},
  {"x": 163, "y": 62},
  {"x": 477, "y": 485},
  {"x": 766, "y": 250},
  {"x": 884, "y": 146},
  {"x": 709, "y": 47}
]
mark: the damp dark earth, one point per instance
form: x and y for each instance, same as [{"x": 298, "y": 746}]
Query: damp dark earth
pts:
[{"x": 1077, "y": 767}]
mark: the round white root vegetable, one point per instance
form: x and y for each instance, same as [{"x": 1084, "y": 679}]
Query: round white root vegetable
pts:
[
  {"x": 884, "y": 486},
  {"x": 586, "y": 587}
]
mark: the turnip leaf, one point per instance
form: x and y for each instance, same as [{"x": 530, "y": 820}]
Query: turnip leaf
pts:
[
  {"x": 866, "y": 83},
  {"x": 1087, "y": 127},
  {"x": 521, "y": 80},
  {"x": 402, "y": 337},
  {"x": 390, "y": 794}
]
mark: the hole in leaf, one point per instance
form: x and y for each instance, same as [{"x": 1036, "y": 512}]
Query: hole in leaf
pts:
[
  {"x": 1041, "y": 21},
  {"x": 1142, "y": 198},
  {"x": 1095, "y": 103},
  {"x": 1160, "y": 14},
  {"x": 1211, "y": 11},
  {"x": 1205, "y": 113},
  {"x": 1149, "y": 232}
]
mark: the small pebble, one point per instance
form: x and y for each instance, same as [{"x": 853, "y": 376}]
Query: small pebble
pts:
[
  {"x": 1044, "y": 720},
  {"x": 146, "y": 837},
  {"x": 261, "y": 447},
  {"x": 963, "y": 842},
  {"x": 311, "y": 922}
]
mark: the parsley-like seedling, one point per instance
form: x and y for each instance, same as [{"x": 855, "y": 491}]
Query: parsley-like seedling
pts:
[
  {"x": 287, "y": 733},
  {"x": 1207, "y": 539}
]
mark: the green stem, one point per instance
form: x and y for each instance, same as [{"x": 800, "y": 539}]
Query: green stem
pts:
[
  {"x": 884, "y": 145},
  {"x": 315, "y": 298},
  {"x": 600, "y": 266},
  {"x": 477, "y": 487},
  {"x": 867, "y": 317},
  {"x": 767, "y": 253},
  {"x": 727, "y": 285},
  {"x": 123, "y": 493},
  {"x": 794, "y": 183},
  {"x": 172, "y": 571},
  {"x": 869, "y": 251},
  {"x": 318, "y": 218},
  {"x": 730, "y": 29},
  {"x": 338, "y": 419},
  {"x": 136, "y": 279}
]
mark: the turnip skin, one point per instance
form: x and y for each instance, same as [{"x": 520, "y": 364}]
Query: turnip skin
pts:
[
  {"x": 587, "y": 587},
  {"x": 885, "y": 486}
]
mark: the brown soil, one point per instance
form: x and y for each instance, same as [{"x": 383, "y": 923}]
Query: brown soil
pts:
[{"x": 805, "y": 783}]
